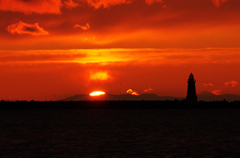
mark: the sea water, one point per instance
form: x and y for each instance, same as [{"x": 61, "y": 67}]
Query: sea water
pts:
[{"x": 120, "y": 133}]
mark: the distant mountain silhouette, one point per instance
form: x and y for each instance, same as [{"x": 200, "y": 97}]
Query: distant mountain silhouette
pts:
[
  {"x": 120, "y": 97},
  {"x": 208, "y": 96},
  {"x": 203, "y": 96}
]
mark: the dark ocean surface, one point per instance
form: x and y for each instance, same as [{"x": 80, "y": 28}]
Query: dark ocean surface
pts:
[{"x": 120, "y": 133}]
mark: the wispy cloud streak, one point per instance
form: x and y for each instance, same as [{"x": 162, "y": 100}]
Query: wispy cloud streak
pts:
[
  {"x": 148, "y": 90},
  {"x": 86, "y": 27}
]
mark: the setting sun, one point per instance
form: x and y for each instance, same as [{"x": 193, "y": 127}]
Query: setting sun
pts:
[{"x": 97, "y": 93}]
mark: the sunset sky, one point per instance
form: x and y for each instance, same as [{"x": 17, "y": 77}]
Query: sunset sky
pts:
[{"x": 53, "y": 49}]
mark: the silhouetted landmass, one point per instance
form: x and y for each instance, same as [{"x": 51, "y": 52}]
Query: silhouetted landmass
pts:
[
  {"x": 203, "y": 96},
  {"x": 121, "y": 97},
  {"x": 176, "y": 104}
]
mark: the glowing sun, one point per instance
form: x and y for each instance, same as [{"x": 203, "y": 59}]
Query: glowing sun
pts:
[{"x": 97, "y": 93}]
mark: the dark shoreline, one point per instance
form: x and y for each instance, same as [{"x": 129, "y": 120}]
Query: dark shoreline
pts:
[{"x": 31, "y": 105}]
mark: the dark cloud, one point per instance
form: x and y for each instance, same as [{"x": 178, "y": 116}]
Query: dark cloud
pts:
[
  {"x": 24, "y": 28},
  {"x": 30, "y": 29}
]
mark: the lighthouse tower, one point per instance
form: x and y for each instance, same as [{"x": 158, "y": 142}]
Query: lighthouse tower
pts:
[{"x": 191, "y": 92}]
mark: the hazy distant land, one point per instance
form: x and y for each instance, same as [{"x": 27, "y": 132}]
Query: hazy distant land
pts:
[{"x": 203, "y": 96}]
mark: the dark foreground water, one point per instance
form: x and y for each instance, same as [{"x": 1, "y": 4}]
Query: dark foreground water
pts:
[{"x": 120, "y": 133}]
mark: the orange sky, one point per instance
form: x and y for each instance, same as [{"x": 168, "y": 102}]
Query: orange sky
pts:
[{"x": 53, "y": 49}]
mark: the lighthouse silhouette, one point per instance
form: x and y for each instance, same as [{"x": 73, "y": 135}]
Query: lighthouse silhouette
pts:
[{"x": 191, "y": 92}]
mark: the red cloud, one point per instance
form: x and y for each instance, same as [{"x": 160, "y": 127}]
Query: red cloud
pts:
[
  {"x": 71, "y": 4},
  {"x": 31, "y": 6},
  {"x": 217, "y": 3},
  {"x": 232, "y": 83},
  {"x": 207, "y": 84},
  {"x": 216, "y": 92},
  {"x": 152, "y": 1},
  {"x": 24, "y": 28},
  {"x": 148, "y": 90},
  {"x": 86, "y": 27}
]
